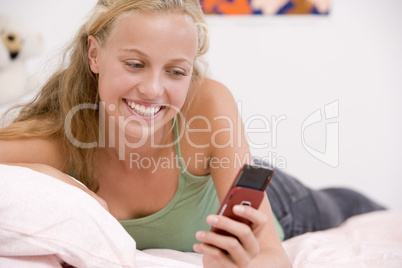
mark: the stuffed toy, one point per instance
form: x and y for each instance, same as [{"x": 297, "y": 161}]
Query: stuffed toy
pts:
[{"x": 18, "y": 42}]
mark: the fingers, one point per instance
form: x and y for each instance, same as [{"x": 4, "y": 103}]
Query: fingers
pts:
[
  {"x": 243, "y": 246},
  {"x": 217, "y": 245},
  {"x": 246, "y": 239},
  {"x": 213, "y": 256},
  {"x": 240, "y": 230},
  {"x": 258, "y": 218}
]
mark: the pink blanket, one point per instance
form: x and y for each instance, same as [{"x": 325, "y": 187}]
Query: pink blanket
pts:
[
  {"x": 45, "y": 222},
  {"x": 369, "y": 240}
]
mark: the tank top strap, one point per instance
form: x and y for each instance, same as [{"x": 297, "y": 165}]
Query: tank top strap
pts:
[{"x": 183, "y": 168}]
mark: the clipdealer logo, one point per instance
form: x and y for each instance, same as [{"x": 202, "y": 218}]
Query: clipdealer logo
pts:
[
  {"x": 330, "y": 155},
  {"x": 328, "y": 115}
]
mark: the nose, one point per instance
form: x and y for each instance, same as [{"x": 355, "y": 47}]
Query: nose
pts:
[{"x": 152, "y": 85}]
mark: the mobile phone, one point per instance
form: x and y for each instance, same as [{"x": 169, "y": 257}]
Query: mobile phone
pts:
[{"x": 247, "y": 189}]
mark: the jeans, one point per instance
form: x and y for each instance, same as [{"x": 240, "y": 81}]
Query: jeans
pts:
[{"x": 300, "y": 209}]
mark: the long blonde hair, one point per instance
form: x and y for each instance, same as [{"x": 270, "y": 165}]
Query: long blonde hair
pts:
[{"x": 75, "y": 84}]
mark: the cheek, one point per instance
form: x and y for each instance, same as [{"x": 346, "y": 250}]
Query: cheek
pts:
[
  {"x": 105, "y": 89},
  {"x": 112, "y": 84},
  {"x": 179, "y": 95}
]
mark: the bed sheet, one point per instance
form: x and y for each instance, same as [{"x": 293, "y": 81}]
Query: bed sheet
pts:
[
  {"x": 44, "y": 222},
  {"x": 368, "y": 240}
]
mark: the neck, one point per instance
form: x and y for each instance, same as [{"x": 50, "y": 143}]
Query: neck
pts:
[{"x": 119, "y": 146}]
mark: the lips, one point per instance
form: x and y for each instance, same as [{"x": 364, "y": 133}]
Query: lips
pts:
[{"x": 144, "y": 110}]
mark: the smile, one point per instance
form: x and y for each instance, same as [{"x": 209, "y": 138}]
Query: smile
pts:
[{"x": 146, "y": 111}]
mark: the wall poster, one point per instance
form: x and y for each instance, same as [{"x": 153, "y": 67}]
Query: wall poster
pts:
[{"x": 265, "y": 7}]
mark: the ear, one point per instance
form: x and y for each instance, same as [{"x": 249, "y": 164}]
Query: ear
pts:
[{"x": 93, "y": 54}]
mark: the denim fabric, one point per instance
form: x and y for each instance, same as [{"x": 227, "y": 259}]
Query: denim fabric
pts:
[{"x": 300, "y": 209}]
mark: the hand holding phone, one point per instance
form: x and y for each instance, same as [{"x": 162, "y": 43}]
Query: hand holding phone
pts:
[{"x": 247, "y": 189}]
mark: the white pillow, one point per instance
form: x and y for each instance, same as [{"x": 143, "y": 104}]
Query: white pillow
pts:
[{"x": 46, "y": 221}]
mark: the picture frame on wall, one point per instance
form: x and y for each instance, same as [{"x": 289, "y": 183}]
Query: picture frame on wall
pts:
[{"x": 266, "y": 7}]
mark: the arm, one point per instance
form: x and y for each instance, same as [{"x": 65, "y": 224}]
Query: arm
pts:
[
  {"x": 258, "y": 246},
  {"x": 34, "y": 150},
  {"x": 44, "y": 156}
]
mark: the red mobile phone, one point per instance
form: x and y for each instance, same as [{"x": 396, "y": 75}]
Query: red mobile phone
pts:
[{"x": 247, "y": 189}]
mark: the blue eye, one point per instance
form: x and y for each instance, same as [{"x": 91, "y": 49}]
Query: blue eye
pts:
[
  {"x": 135, "y": 65},
  {"x": 175, "y": 72}
]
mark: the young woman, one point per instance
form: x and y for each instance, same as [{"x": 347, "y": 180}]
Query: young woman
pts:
[{"x": 133, "y": 118}]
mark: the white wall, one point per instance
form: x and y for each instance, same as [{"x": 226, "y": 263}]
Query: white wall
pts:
[{"x": 290, "y": 67}]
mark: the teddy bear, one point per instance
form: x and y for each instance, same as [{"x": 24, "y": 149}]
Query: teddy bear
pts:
[{"x": 18, "y": 43}]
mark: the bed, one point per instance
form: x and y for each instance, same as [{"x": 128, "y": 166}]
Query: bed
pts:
[{"x": 47, "y": 223}]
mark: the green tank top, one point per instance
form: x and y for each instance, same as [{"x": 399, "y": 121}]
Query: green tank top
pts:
[{"x": 174, "y": 226}]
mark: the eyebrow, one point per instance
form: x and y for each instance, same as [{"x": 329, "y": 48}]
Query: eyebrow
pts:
[{"x": 131, "y": 50}]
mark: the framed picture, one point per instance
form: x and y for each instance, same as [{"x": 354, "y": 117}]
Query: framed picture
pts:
[{"x": 265, "y": 7}]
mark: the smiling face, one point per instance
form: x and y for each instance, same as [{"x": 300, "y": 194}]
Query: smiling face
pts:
[{"x": 145, "y": 69}]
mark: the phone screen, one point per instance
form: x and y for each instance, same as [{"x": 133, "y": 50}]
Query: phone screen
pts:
[
  {"x": 253, "y": 178},
  {"x": 247, "y": 189}
]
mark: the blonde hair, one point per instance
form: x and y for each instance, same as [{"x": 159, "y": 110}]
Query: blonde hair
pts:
[{"x": 75, "y": 84}]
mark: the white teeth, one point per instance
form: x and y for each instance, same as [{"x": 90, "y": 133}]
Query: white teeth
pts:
[{"x": 142, "y": 110}]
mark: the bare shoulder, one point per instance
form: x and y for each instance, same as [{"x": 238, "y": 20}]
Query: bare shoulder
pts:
[
  {"x": 216, "y": 131},
  {"x": 209, "y": 85},
  {"x": 212, "y": 99},
  {"x": 214, "y": 127},
  {"x": 212, "y": 104},
  {"x": 33, "y": 150}
]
